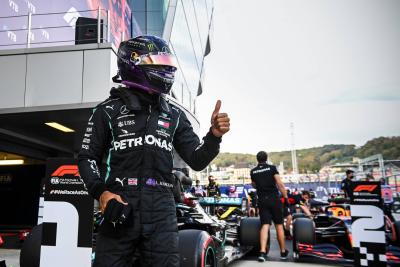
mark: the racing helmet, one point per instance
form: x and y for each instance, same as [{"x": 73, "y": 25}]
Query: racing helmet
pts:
[{"x": 146, "y": 63}]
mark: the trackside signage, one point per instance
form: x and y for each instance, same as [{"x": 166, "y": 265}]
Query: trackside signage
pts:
[
  {"x": 368, "y": 225},
  {"x": 67, "y": 217}
]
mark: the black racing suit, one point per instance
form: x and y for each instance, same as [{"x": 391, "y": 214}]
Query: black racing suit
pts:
[
  {"x": 138, "y": 132},
  {"x": 213, "y": 190}
]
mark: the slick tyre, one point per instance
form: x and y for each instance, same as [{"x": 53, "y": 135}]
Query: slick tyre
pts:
[
  {"x": 249, "y": 233},
  {"x": 197, "y": 249},
  {"x": 303, "y": 232},
  {"x": 298, "y": 215},
  {"x": 397, "y": 229},
  {"x": 30, "y": 252}
]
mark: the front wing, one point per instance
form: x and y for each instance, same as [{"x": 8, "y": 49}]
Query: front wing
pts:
[{"x": 330, "y": 252}]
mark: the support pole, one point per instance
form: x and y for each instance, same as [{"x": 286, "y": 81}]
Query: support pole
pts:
[
  {"x": 98, "y": 24},
  {"x": 108, "y": 26},
  {"x": 28, "y": 35}
]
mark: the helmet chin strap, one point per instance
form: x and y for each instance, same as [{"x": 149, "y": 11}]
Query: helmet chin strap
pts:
[
  {"x": 140, "y": 87},
  {"x": 117, "y": 79}
]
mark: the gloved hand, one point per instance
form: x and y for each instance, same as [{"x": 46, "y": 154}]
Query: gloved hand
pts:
[
  {"x": 107, "y": 196},
  {"x": 116, "y": 212}
]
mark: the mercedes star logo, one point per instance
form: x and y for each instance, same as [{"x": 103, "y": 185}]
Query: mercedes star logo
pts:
[{"x": 123, "y": 110}]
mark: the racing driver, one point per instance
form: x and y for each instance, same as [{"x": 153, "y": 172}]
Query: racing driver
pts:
[{"x": 137, "y": 130}]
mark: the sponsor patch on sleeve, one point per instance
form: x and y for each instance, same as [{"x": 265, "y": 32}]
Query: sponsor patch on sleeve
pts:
[{"x": 163, "y": 124}]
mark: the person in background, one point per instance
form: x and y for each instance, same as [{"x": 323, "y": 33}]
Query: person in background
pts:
[
  {"x": 212, "y": 188},
  {"x": 305, "y": 203},
  {"x": 287, "y": 213},
  {"x": 369, "y": 177},
  {"x": 232, "y": 191},
  {"x": 387, "y": 199},
  {"x": 198, "y": 190},
  {"x": 265, "y": 178},
  {"x": 346, "y": 184},
  {"x": 253, "y": 208}
]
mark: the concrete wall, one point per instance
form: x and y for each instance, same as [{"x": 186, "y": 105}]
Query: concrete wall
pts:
[{"x": 66, "y": 75}]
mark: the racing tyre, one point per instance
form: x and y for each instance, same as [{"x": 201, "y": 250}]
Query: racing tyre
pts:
[
  {"x": 249, "y": 231},
  {"x": 197, "y": 249},
  {"x": 397, "y": 229},
  {"x": 303, "y": 232},
  {"x": 298, "y": 215},
  {"x": 30, "y": 252}
]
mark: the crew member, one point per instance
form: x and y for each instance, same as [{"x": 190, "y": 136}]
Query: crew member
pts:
[
  {"x": 213, "y": 187},
  {"x": 346, "y": 184},
  {"x": 305, "y": 203},
  {"x": 265, "y": 178},
  {"x": 387, "y": 199},
  {"x": 198, "y": 190},
  {"x": 287, "y": 213},
  {"x": 138, "y": 128}
]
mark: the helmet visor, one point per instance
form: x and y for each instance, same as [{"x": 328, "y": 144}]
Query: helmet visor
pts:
[{"x": 154, "y": 59}]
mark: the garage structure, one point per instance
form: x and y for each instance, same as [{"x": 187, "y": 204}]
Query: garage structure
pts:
[{"x": 49, "y": 87}]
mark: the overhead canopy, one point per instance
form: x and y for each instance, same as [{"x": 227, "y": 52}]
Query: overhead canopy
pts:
[{"x": 26, "y": 133}]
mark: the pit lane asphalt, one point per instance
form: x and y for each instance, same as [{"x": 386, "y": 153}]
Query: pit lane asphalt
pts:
[
  {"x": 274, "y": 257},
  {"x": 12, "y": 257}
]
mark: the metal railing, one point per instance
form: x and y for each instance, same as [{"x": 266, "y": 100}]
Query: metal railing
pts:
[{"x": 70, "y": 19}]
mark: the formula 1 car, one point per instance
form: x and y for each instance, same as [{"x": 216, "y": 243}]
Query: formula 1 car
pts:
[
  {"x": 207, "y": 238},
  {"x": 229, "y": 209},
  {"x": 328, "y": 236},
  {"x": 18, "y": 234},
  {"x": 204, "y": 240}
]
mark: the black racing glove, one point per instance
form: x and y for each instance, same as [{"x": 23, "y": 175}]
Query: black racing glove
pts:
[{"x": 117, "y": 212}]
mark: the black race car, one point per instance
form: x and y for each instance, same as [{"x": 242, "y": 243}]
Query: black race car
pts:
[
  {"x": 328, "y": 236},
  {"x": 204, "y": 239}
]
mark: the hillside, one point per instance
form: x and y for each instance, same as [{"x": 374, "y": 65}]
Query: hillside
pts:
[{"x": 313, "y": 159}]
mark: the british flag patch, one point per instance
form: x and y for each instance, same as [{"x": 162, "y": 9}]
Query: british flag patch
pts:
[
  {"x": 132, "y": 181},
  {"x": 163, "y": 124}
]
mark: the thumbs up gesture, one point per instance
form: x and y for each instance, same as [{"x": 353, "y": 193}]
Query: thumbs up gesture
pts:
[{"x": 219, "y": 121}]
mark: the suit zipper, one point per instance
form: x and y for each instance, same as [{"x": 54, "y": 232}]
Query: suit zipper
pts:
[
  {"x": 144, "y": 137},
  {"x": 148, "y": 117}
]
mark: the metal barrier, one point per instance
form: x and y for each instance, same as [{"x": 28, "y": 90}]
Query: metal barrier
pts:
[{"x": 101, "y": 13}]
